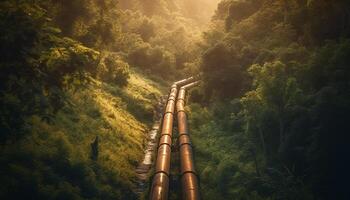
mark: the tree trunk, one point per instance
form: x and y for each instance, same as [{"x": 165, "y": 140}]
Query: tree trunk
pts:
[
  {"x": 262, "y": 139},
  {"x": 94, "y": 149},
  {"x": 253, "y": 152},
  {"x": 256, "y": 164},
  {"x": 282, "y": 136}
]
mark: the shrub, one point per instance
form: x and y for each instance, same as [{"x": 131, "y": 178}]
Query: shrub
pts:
[
  {"x": 114, "y": 70},
  {"x": 37, "y": 64}
]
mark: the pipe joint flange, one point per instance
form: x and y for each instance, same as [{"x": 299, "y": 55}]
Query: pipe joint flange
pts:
[
  {"x": 190, "y": 172},
  {"x": 161, "y": 172},
  {"x": 181, "y": 110},
  {"x": 168, "y": 112}
]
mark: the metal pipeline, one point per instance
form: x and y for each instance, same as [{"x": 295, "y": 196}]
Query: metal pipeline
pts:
[
  {"x": 189, "y": 179},
  {"x": 160, "y": 182},
  {"x": 187, "y": 81}
]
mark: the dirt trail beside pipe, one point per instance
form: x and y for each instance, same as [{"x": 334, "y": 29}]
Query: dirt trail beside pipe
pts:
[{"x": 145, "y": 165}]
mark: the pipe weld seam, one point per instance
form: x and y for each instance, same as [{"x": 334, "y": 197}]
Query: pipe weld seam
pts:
[
  {"x": 189, "y": 172},
  {"x": 162, "y": 134},
  {"x": 184, "y": 134},
  {"x": 182, "y": 110},
  {"x": 165, "y": 134},
  {"x": 161, "y": 144},
  {"x": 181, "y": 134},
  {"x": 166, "y": 112},
  {"x": 161, "y": 172},
  {"x": 185, "y": 143}
]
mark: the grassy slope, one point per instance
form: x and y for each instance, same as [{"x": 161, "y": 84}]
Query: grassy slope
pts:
[
  {"x": 115, "y": 115},
  {"x": 61, "y": 149}
]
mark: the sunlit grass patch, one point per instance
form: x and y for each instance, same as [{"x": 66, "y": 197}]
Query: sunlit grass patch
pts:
[
  {"x": 55, "y": 160},
  {"x": 104, "y": 111}
]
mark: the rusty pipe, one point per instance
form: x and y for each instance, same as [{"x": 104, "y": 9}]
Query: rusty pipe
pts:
[
  {"x": 190, "y": 186},
  {"x": 186, "y": 81},
  {"x": 160, "y": 182},
  {"x": 191, "y": 85},
  {"x": 170, "y": 105},
  {"x": 167, "y": 128},
  {"x": 160, "y": 187},
  {"x": 181, "y": 117},
  {"x": 189, "y": 179},
  {"x": 163, "y": 159}
]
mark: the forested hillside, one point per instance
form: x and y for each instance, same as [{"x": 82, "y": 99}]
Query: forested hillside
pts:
[
  {"x": 273, "y": 112},
  {"x": 79, "y": 80}
]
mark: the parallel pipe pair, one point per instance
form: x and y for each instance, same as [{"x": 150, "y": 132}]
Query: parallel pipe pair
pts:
[{"x": 160, "y": 183}]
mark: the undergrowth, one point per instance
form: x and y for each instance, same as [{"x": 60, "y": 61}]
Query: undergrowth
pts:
[{"x": 54, "y": 160}]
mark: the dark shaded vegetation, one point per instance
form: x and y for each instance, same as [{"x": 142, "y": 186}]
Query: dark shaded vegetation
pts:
[
  {"x": 272, "y": 115},
  {"x": 70, "y": 72},
  {"x": 270, "y": 121},
  {"x": 52, "y": 53},
  {"x": 51, "y": 169},
  {"x": 37, "y": 63}
]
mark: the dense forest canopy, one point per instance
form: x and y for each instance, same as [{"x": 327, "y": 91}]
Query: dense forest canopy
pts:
[
  {"x": 270, "y": 120},
  {"x": 276, "y": 88}
]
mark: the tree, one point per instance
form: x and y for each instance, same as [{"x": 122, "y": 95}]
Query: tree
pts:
[
  {"x": 223, "y": 73},
  {"x": 279, "y": 92}
]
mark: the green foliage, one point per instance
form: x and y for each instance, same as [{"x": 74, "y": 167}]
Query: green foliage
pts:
[
  {"x": 37, "y": 64},
  {"x": 114, "y": 70},
  {"x": 46, "y": 166},
  {"x": 92, "y": 22},
  {"x": 157, "y": 38},
  {"x": 271, "y": 120},
  {"x": 218, "y": 62},
  {"x": 52, "y": 108},
  {"x": 154, "y": 60},
  {"x": 282, "y": 64},
  {"x": 53, "y": 160}
]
